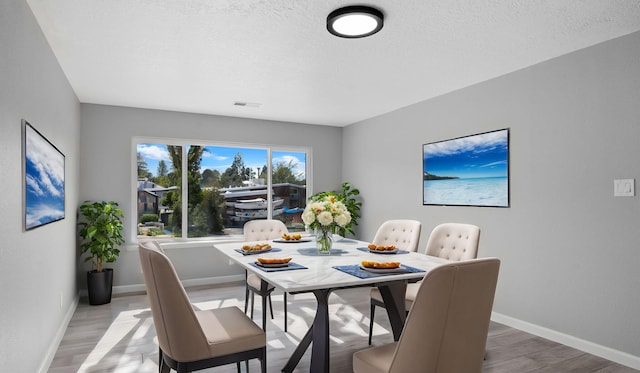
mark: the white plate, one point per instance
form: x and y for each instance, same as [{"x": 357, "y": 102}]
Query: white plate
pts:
[
  {"x": 282, "y": 240},
  {"x": 256, "y": 251},
  {"x": 272, "y": 265},
  {"x": 383, "y": 270}
]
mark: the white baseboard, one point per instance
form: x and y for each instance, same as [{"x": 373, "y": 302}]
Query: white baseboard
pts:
[
  {"x": 571, "y": 341},
  {"x": 55, "y": 343}
]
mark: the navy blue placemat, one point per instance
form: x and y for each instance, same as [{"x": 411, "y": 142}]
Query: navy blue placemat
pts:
[
  {"x": 312, "y": 251},
  {"x": 355, "y": 270},
  {"x": 273, "y": 250},
  {"x": 366, "y": 250},
  {"x": 290, "y": 267}
]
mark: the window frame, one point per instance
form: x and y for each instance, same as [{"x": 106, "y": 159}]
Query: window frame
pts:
[{"x": 184, "y": 143}]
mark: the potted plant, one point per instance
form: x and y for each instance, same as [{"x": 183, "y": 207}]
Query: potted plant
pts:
[
  {"x": 100, "y": 230},
  {"x": 352, "y": 205}
]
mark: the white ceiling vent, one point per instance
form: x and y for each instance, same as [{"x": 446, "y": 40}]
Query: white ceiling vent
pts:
[{"x": 247, "y": 104}]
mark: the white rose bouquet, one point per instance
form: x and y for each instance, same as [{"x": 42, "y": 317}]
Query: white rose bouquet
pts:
[
  {"x": 326, "y": 213},
  {"x": 324, "y": 216}
]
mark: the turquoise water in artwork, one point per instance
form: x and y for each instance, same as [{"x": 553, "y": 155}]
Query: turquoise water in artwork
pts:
[{"x": 486, "y": 191}]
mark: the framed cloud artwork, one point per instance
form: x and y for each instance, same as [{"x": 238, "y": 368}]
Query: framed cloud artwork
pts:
[
  {"x": 467, "y": 171},
  {"x": 43, "y": 170}
]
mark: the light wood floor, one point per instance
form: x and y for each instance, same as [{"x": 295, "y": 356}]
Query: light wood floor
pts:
[{"x": 120, "y": 336}]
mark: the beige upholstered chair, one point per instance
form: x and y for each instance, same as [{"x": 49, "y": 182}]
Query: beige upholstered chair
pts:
[
  {"x": 403, "y": 233},
  {"x": 452, "y": 241},
  {"x": 262, "y": 230},
  {"x": 192, "y": 339},
  {"x": 446, "y": 330}
]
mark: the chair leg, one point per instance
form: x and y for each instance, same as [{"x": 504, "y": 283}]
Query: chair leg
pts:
[
  {"x": 264, "y": 311},
  {"x": 270, "y": 306},
  {"x": 285, "y": 311},
  {"x": 252, "y": 300},
  {"x": 372, "y": 314},
  {"x": 246, "y": 298},
  {"x": 238, "y": 366}
]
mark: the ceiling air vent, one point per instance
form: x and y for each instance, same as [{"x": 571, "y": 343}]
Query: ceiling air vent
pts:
[{"x": 247, "y": 104}]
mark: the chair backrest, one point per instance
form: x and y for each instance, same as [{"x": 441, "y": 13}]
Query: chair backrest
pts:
[
  {"x": 446, "y": 330},
  {"x": 454, "y": 241},
  {"x": 179, "y": 333},
  {"x": 263, "y": 229},
  {"x": 403, "y": 233}
]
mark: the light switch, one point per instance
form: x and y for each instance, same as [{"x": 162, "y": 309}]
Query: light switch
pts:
[{"x": 624, "y": 188}]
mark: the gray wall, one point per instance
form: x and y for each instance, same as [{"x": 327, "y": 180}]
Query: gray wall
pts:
[
  {"x": 570, "y": 251},
  {"x": 37, "y": 268},
  {"x": 108, "y": 158}
]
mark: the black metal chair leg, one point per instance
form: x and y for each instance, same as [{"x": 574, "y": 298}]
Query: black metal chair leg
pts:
[
  {"x": 246, "y": 291},
  {"x": 264, "y": 312},
  {"x": 270, "y": 306},
  {"x": 246, "y": 298},
  {"x": 285, "y": 311},
  {"x": 252, "y": 300},
  {"x": 372, "y": 314}
]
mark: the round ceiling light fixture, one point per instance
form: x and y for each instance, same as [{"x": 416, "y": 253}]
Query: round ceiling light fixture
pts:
[{"x": 355, "y": 21}]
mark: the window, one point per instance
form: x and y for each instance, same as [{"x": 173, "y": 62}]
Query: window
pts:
[
  {"x": 226, "y": 187},
  {"x": 289, "y": 181}
]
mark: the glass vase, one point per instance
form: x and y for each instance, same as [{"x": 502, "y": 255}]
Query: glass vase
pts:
[{"x": 324, "y": 241}]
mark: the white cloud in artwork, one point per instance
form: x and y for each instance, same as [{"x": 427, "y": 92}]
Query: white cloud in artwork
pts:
[
  {"x": 478, "y": 144},
  {"x": 493, "y": 164},
  {"x": 33, "y": 185},
  {"x": 42, "y": 213},
  {"x": 48, "y": 166}
]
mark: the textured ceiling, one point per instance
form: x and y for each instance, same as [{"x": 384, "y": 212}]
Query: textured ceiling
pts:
[{"x": 201, "y": 56}]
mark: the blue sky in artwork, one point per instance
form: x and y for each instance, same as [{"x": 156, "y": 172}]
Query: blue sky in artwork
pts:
[
  {"x": 44, "y": 181},
  {"x": 478, "y": 156},
  {"x": 220, "y": 158}
]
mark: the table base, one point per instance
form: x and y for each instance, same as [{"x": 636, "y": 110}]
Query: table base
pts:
[{"x": 393, "y": 294}]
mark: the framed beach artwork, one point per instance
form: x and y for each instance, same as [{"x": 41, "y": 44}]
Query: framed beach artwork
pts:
[
  {"x": 43, "y": 169},
  {"x": 467, "y": 171}
]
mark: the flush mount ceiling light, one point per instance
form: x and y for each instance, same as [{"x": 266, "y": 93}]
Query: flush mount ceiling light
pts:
[{"x": 354, "y": 21}]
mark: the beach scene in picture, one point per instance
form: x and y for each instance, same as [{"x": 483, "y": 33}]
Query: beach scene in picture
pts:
[
  {"x": 44, "y": 180},
  {"x": 468, "y": 171}
]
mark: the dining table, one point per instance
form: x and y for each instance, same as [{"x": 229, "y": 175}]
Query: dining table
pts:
[{"x": 320, "y": 274}]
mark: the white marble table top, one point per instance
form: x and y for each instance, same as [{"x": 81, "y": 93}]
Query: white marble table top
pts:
[{"x": 320, "y": 274}]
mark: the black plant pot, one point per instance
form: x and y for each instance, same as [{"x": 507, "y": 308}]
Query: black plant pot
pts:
[{"x": 99, "y": 285}]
